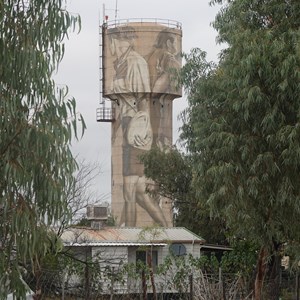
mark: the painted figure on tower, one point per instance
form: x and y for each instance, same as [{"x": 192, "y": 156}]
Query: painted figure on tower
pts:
[{"x": 139, "y": 80}]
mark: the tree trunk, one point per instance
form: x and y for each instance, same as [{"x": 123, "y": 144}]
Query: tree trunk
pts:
[
  {"x": 274, "y": 274},
  {"x": 38, "y": 286},
  {"x": 144, "y": 285},
  {"x": 260, "y": 272},
  {"x": 191, "y": 287},
  {"x": 297, "y": 286},
  {"x": 149, "y": 261},
  {"x": 87, "y": 282}
]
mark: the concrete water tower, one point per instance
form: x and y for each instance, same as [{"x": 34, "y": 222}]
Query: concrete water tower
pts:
[{"x": 139, "y": 60}]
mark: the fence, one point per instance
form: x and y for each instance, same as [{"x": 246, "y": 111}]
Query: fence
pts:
[{"x": 196, "y": 286}]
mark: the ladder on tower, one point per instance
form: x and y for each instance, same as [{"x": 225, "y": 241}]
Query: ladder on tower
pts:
[{"x": 103, "y": 114}]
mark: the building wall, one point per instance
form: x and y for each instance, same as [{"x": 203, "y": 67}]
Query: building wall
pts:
[
  {"x": 139, "y": 60},
  {"x": 111, "y": 261},
  {"x": 114, "y": 256}
]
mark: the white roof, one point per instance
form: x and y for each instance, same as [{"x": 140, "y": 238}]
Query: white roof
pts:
[{"x": 124, "y": 236}]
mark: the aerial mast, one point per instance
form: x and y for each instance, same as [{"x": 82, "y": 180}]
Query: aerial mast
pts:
[{"x": 116, "y": 11}]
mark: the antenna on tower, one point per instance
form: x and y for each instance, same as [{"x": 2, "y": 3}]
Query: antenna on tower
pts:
[
  {"x": 116, "y": 10},
  {"x": 103, "y": 13}
]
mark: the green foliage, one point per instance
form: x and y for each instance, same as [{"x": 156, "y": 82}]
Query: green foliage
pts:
[
  {"x": 84, "y": 222},
  {"x": 44, "y": 271},
  {"x": 37, "y": 122},
  {"x": 242, "y": 124},
  {"x": 111, "y": 220},
  {"x": 177, "y": 270},
  {"x": 172, "y": 174},
  {"x": 157, "y": 163},
  {"x": 241, "y": 260},
  {"x": 208, "y": 264}
]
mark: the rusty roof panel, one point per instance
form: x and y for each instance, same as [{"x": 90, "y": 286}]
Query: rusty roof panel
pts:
[{"x": 129, "y": 235}]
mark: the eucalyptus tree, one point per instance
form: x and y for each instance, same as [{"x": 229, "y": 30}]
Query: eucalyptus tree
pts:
[
  {"x": 242, "y": 126},
  {"x": 171, "y": 174},
  {"x": 37, "y": 122}
]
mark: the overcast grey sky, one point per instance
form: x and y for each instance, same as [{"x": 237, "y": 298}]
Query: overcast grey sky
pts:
[{"x": 80, "y": 66}]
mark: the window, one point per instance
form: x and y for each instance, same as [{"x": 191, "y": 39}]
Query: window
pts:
[
  {"x": 177, "y": 249},
  {"x": 141, "y": 258}
]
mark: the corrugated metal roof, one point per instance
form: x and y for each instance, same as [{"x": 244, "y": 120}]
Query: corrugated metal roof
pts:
[
  {"x": 131, "y": 236},
  {"x": 102, "y": 244}
]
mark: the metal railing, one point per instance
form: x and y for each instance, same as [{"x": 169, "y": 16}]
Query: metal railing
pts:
[
  {"x": 165, "y": 22},
  {"x": 105, "y": 115}
]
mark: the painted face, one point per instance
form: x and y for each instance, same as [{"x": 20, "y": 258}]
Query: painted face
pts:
[
  {"x": 122, "y": 45},
  {"x": 172, "y": 46},
  {"x": 119, "y": 46}
]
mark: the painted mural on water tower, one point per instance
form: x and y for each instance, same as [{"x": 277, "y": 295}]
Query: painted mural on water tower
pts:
[{"x": 139, "y": 61}]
